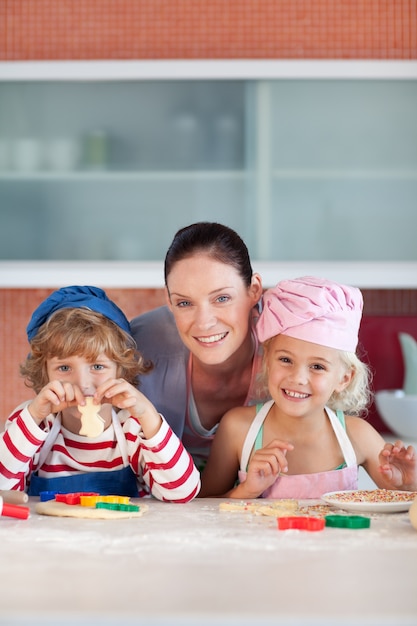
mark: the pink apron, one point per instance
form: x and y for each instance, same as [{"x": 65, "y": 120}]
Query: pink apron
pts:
[{"x": 305, "y": 486}]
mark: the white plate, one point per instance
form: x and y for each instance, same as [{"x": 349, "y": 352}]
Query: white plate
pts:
[{"x": 371, "y": 501}]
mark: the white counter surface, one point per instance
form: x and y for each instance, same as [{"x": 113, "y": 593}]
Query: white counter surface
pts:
[{"x": 193, "y": 565}]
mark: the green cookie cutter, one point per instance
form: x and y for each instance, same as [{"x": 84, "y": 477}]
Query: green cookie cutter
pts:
[
  {"x": 347, "y": 521},
  {"x": 113, "y": 506}
]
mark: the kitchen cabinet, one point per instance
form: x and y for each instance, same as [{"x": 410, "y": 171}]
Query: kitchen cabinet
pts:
[{"x": 106, "y": 161}]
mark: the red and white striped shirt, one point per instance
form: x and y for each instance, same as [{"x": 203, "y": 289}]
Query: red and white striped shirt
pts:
[{"x": 162, "y": 465}]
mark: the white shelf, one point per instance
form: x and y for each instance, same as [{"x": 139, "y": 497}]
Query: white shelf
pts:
[
  {"x": 328, "y": 174},
  {"x": 142, "y": 274},
  {"x": 205, "y": 174},
  {"x": 112, "y": 176},
  {"x": 221, "y": 69}
]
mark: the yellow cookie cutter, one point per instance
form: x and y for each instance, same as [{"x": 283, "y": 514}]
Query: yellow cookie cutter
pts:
[{"x": 92, "y": 500}]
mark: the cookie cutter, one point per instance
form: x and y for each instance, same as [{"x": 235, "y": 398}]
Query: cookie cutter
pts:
[
  {"x": 44, "y": 496},
  {"x": 94, "y": 499},
  {"x": 117, "y": 506},
  {"x": 300, "y": 522},
  {"x": 348, "y": 521},
  {"x": 73, "y": 498}
]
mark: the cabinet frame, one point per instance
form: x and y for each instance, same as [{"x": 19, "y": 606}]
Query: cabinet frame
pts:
[{"x": 138, "y": 274}]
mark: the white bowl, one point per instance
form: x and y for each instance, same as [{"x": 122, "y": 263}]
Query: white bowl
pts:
[{"x": 399, "y": 412}]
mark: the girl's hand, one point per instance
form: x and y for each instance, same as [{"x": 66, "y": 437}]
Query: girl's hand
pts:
[
  {"x": 123, "y": 395},
  {"x": 399, "y": 466},
  {"x": 264, "y": 468},
  {"x": 54, "y": 397}
]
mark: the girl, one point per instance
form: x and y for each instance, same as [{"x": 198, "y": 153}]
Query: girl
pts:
[
  {"x": 309, "y": 439},
  {"x": 81, "y": 347}
]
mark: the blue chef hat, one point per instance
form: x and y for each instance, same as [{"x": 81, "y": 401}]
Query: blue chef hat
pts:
[{"x": 73, "y": 298}]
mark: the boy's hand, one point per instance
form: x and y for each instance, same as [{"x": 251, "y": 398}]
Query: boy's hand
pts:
[
  {"x": 123, "y": 395},
  {"x": 54, "y": 397}
]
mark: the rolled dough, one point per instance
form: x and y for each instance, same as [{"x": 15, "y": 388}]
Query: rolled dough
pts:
[
  {"x": 60, "y": 509},
  {"x": 278, "y": 508}
]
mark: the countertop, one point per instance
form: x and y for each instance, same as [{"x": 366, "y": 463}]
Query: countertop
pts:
[{"x": 189, "y": 564}]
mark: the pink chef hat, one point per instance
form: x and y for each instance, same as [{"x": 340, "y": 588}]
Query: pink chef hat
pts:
[{"x": 314, "y": 309}]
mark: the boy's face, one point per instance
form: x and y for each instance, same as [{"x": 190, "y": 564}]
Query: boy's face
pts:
[{"x": 78, "y": 372}]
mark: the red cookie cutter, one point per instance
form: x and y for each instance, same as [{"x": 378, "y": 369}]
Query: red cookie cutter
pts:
[
  {"x": 72, "y": 498},
  {"x": 301, "y": 523}
]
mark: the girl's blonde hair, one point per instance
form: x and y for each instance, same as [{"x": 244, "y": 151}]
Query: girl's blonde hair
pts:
[
  {"x": 355, "y": 398},
  {"x": 84, "y": 333}
]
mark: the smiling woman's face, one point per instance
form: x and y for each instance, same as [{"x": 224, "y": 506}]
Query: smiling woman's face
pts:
[{"x": 212, "y": 306}]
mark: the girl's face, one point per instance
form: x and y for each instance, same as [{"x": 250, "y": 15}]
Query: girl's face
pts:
[
  {"x": 302, "y": 376},
  {"x": 211, "y": 306}
]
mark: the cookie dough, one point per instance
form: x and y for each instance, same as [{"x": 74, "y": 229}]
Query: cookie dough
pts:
[
  {"x": 277, "y": 508},
  {"x": 60, "y": 509},
  {"x": 92, "y": 424}
]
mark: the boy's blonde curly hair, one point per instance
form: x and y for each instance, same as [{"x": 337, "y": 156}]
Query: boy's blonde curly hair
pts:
[{"x": 84, "y": 333}]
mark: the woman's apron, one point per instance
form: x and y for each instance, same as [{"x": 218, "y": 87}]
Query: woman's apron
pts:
[{"x": 121, "y": 482}]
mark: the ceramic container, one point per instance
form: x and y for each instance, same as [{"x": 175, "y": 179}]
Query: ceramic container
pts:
[{"x": 399, "y": 411}]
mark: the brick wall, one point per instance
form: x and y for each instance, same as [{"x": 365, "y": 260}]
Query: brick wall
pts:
[{"x": 208, "y": 29}]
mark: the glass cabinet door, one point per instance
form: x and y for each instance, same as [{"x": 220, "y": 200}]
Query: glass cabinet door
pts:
[
  {"x": 343, "y": 170},
  {"x": 302, "y": 169},
  {"x": 109, "y": 170}
]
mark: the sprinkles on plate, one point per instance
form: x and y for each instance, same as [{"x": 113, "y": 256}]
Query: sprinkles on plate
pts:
[{"x": 374, "y": 496}]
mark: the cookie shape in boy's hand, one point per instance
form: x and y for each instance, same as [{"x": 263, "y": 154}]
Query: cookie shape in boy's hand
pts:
[{"x": 92, "y": 424}]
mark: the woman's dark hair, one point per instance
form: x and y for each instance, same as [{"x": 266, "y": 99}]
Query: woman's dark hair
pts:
[{"x": 218, "y": 241}]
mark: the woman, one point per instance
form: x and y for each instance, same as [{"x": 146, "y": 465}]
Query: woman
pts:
[{"x": 203, "y": 346}]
